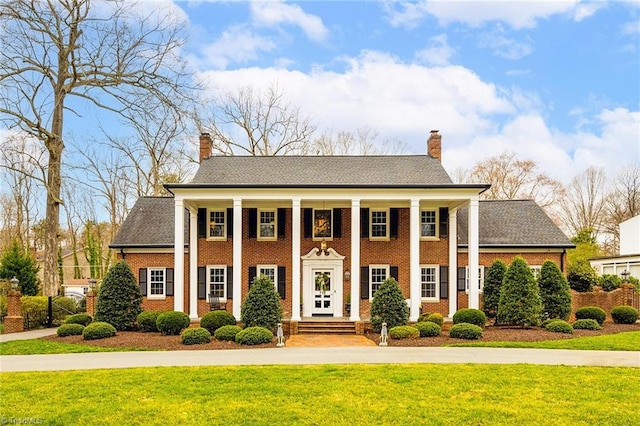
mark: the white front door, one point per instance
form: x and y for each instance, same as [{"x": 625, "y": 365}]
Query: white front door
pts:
[{"x": 323, "y": 291}]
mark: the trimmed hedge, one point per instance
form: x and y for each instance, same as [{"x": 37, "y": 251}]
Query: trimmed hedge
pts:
[
  {"x": 435, "y": 318},
  {"x": 404, "y": 332},
  {"x": 148, "y": 321},
  {"x": 254, "y": 336},
  {"x": 465, "y": 330},
  {"x": 71, "y": 329},
  {"x": 171, "y": 323},
  {"x": 592, "y": 312},
  {"x": 624, "y": 315},
  {"x": 559, "y": 326},
  {"x": 227, "y": 333},
  {"x": 586, "y": 324},
  {"x": 195, "y": 336},
  {"x": 82, "y": 319},
  {"x": 428, "y": 329},
  {"x": 98, "y": 330},
  {"x": 470, "y": 316},
  {"x": 216, "y": 319}
]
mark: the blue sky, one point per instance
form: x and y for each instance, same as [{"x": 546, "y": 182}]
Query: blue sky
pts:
[{"x": 556, "y": 82}]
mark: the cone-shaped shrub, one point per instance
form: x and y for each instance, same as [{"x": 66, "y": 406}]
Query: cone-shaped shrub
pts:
[
  {"x": 262, "y": 307},
  {"x": 491, "y": 291},
  {"x": 554, "y": 292},
  {"x": 388, "y": 306},
  {"x": 119, "y": 298},
  {"x": 520, "y": 302}
]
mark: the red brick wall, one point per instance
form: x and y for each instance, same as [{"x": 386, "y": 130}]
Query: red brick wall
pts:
[{"x": 606, "y": 300}]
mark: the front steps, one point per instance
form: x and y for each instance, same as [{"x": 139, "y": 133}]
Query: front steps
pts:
[{"x": 326, "y": 327}]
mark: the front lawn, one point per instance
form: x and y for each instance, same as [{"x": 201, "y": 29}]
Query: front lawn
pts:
[{"x": 41, "y": 346}]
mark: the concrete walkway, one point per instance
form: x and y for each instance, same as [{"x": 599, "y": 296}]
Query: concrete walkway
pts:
[{"x": 26, "y": 335}]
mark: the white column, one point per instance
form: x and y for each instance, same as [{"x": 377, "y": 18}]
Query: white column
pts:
[
  {"x": 355, "y": 260},
  {"x": 414, "y": 260},
  {"x": 295, "y": 259},
  {"x": 474, "y": 297},
  {"x": 237, "y": 256},
  {"x": 178, "y": 256},
  {"x": 453, "y": 262},
  {"x": 193, "y": 263}
]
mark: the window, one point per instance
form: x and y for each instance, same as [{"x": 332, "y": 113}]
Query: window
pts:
[
  {"x": 480, "y": 278},
  {"x": 429, "y": 281},
  {"x": 322, "y": 223},
  {"x": 536, "y": 269},
  {"x": 217, "y": 281},
  {"x": 379, "y": 224},
  {"x": 269, "y": 271},
  {"x": 217, "y": 224},
  {"x": 377, "y": 275},
  {"x": 428, "y": 222},
  {"x": 267, "y": 225},
  {"x": 156, "y": 284}
]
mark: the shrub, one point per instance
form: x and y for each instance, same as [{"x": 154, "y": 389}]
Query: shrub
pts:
[
  {"x": 119, "y": 298},
  {"x": 195, "y": 336},
  {"x": 520, "y": 302},
  {"x": 404, "y": 332},
  {"x": 83, "y": 319},
  {"x": 624, "y": 315},
  {"x": 491, "y": 290},
  {"x": 435, "y": 318},
  {"x": 559, "y": 326},
  {"x": 35, "y": 308},
  {"x": 609, "y": 282},
  {"x": 71, "y": 329},
  {"x": 554, "y": 292},
  {"x": 216, "y": 319},
  {"x": 171, "y": 323},
  {"x": 586, "y": 324},
  {"x": 227, "y": 332},
  {"x": 98, "y": 330},
  {"x": 581, "y": 276},
  {"x": 465, "y": 330},
  {"x": 254, "y": 336},
  {"x": 63, "y": 306},
  {"x": 147, "y": 321},
  {"x": 262, "y": 308},
  {"x": 17, "y": 262},
  {"x": 547, "y": 321},
  {"x": 423, "y": 317},
  {"x": 388, "y": 305},
  {"x": 592, "y": 312},
  {"x": 470, "y": 316},
  {"x": 634, "y": 282},
  {"x": 428, "y": 329}
]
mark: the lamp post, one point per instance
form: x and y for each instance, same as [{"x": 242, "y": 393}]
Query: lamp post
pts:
[
  {"x": 625, "y": 275},
  {"x": 14, "y": 282}
]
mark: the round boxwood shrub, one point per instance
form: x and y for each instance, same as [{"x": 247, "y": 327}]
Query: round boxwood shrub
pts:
[
  {"x": 82, "y": 319},
  {"x": 423, "y": 317},
  {"x": 172, "y": 322},
  {"x": 586, "y": 324},
  {"x": 98, "y": 330},
  {"x": 147, "y": 321},
  {"x": 559, "y": 326},
  {"x": 465, "y": 330},
  {"x": 428, "y": 329},
  {"x": 195, "y": 336},
  {"x": 404, "y": 332},
  {"x": 592, "y": 312},
  {"x": 470, "y": 316},
  {"x": 435, "y": 318},
  {"x": 254, "y": 336},
  {"x": 227, "y": 332},
  {"x": 624, "y": 315},
  {"x": 70, "y": 330},
  {"x": 216, "y": 319}
]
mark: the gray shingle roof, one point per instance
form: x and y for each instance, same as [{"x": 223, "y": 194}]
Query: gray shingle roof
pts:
[
  {"x": 397, "y": 170},
  {"x": 513, "y": 223}
]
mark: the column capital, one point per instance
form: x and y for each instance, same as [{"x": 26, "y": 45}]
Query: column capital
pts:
[
  {"x": 295, "y": 202},
  {"x": 355, "y": 202}
]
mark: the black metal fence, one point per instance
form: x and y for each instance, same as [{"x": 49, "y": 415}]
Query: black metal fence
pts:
[{"x": 55, "y": 310}]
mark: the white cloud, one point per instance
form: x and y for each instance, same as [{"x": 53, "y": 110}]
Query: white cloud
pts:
[
  {"x": 503, "y": 46},
  {"x": 237, "y": 45},
  {"x": 274, "y": 13},
  {"x": 585, "y": 10},
  {"x": 631, "y": 28},
  {"x": 438, "y": 52}
]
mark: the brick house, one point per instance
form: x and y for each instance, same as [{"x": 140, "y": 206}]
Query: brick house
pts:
[{"x": 328, "y": 230}]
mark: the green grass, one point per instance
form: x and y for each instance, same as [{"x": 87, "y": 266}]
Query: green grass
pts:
[
  {"x": 629, "y": 341},
  {"x": 327, "y": 395},
  {"x": 39, "y": 346}
]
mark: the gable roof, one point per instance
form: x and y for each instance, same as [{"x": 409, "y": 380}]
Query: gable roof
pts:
[{"x": 513, "y": 223}]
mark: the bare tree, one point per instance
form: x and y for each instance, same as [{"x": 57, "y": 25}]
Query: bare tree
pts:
[
  {"x": 365, "y": 141},
  {"x": 583, "y": 205},
  {"x": 622, "y": 203},
  {"x": 108, "y": 56}
]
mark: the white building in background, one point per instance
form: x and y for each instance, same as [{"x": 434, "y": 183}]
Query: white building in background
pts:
[{"x": 629, "y": 258}]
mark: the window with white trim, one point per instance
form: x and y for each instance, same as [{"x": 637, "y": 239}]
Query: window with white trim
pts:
[
  {"x": 156, "y": 283},
  {"x": 379, "y": 224},
  {"x": 429, "y": 288},
  {"x": 428, "y": 223},
  {"x": 377, "y": 275},
  {"x": 480, "y": 278},
  {"x": 217, "y": 224},
  {"x": 267, "y": 225},
  {"x": 269, "y": 271},
  {"x": 217, "y": 281},
  {"x": 536, "y": 269}
]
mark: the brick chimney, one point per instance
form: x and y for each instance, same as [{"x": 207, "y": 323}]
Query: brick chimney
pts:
[
  {"x": 434, "y": 145},
  {"x": 206, "y": 146}
]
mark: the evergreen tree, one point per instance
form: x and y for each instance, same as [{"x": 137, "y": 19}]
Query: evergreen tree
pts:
[
  {"x": 262, "y": 308},
  {"x": 581, "y": 275},
  {"x": 388, "y": 305},
  {"x": 554, "y": 292},
  {"x": 520, "y": 302},
  {"x": 491, "y": 290},
  {"x": 119, "y": 298},
  {"x": 15, "y": 262}
]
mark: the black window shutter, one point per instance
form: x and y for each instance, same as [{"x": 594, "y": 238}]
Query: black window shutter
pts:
[
  {"x": 202, "y": 282},
  {"x": 364, "y": 282},
  {"x": 229, "y": 222},
  {"x": 142, "y": 280},
  {"x": 229, "y": 282},
  {"x": 252, "y": 275},
  {"x": 282, "y": 215},
  {"x": 308, "y": 222},
  {"x": 444, "y": 221},
  {"x": 393, "y": 223},
  {"x": 202, "y": 223},
  {"x": 393, "y": 272},
  {"x": 364, "y": 224},
  {"x": 444, "y": 282},
  {"x": 462, "y": 281},
  {"x": 282, "y": 281},
  {"x": 169, "y": 281},
  {"x": 337, "y": 223},
  {"x": 253, "y": 223}
]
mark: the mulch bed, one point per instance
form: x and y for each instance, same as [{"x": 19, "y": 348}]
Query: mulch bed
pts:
[{"x": 156, "y": 341}]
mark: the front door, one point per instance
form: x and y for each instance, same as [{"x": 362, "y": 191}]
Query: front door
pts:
[{"x": 322, "y": 292}]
